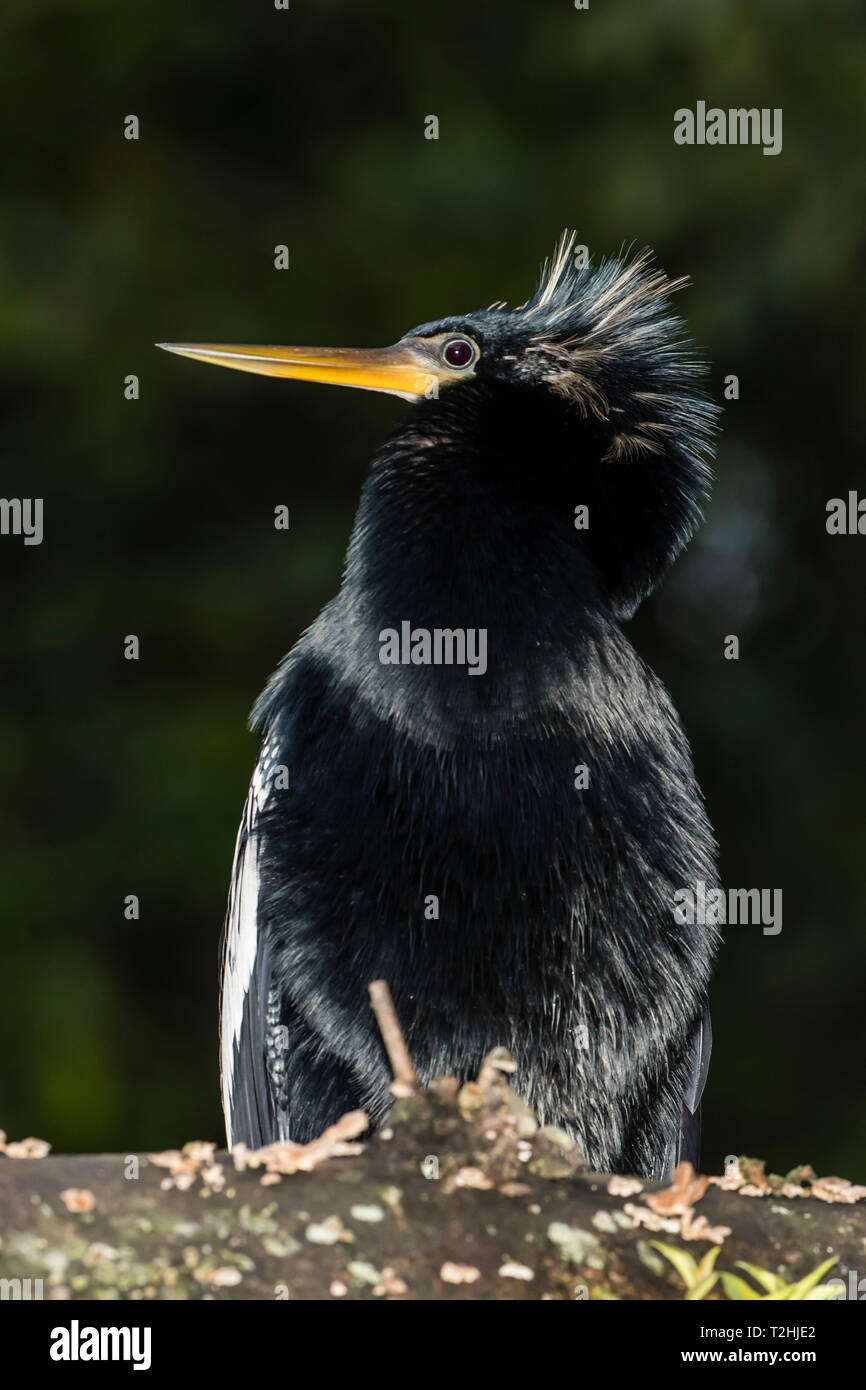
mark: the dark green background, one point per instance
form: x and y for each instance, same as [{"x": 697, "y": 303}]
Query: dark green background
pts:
[{"x": 261, "y": 127}]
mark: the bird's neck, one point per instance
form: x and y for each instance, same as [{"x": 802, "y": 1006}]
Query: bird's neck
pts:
[
  {"x": 460, "y": 533},
  {"x": 465, "y": 594}
]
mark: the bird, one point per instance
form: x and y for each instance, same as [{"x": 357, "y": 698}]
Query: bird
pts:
[{"x": 469, "y": 783}]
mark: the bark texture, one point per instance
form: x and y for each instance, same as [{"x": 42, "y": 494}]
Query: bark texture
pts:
[{"x": 462, "y": 1197}]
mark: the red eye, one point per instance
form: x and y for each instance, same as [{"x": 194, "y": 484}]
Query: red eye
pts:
[{"x": 457, "y": 352}]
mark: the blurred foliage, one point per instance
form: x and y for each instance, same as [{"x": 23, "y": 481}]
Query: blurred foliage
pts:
[
  {"x": 259, "y": 127},
  {"x": 701, "y": 1279}
]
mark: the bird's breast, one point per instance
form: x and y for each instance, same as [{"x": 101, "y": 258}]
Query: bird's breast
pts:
[{"x": 508, "y": 886}]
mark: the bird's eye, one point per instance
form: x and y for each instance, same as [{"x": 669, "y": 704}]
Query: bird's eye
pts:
[{"x": 458, "y": 352}]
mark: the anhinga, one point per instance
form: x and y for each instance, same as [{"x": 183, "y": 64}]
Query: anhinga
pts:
[{"x": 504, "y": 850}]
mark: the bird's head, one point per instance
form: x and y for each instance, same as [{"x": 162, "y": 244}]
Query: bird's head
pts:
[{"x": 588, "y": 393}]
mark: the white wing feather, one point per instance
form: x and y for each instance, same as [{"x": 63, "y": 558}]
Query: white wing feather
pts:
[{"x": 242, "y": 930}]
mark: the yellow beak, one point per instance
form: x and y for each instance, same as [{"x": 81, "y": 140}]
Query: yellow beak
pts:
[{"x": 408, "y": 369}]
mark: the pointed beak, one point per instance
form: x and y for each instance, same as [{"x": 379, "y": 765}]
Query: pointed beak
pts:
[{"x": 406, "y": 369}]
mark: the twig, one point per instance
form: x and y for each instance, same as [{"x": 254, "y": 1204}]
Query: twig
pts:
[{"x": 398, "y": 1054}]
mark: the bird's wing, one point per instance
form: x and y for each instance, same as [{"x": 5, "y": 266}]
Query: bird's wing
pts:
[
  {"x": 686, "y": 1145},
  {"x": 249, "y": 1104}
]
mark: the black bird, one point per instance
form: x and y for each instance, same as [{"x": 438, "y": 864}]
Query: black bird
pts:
[{"x": 469, "y": 782}]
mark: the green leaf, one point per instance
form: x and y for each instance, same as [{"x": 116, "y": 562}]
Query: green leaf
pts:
[
  {"x": 738, "y": 1289},
  {"x": 701, "y": 1288},
  {"x": 707, "y": 1262},
  {"x": 798, "y": 1291},
  {"x": 771, "y": 1283},
  {"x": 681, "y": 1261}
]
